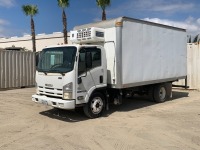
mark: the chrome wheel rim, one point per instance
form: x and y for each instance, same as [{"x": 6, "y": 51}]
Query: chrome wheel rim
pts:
[
  {"x": 162, "y": 93},
  {"x": 96, "y": 105}
]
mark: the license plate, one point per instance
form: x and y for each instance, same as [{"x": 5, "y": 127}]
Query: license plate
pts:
[{"x": 44, "y": 102}]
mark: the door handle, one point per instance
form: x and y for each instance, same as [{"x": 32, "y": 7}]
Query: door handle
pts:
[{"x": 100, "y": 79}]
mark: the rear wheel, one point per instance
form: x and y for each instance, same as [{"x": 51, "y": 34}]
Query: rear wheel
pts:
[
  {"x": 95, "y": 107},
  {"x": 162, "y": 92}
]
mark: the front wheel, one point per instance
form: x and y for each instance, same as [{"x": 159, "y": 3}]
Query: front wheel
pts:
[{"x": 95, "y": 107}]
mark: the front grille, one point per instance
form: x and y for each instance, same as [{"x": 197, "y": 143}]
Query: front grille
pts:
[{"x": 50, "y": 91}]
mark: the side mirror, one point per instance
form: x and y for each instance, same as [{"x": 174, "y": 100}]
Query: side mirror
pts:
[
  {"x": 79, "y": 80},
  {"x": 37, "y": 57},
  {"x": 88, "y": 60}
]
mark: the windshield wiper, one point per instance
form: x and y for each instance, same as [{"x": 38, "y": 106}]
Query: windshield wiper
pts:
[
  {"x": 63, "y": 74},
  {"x": 43, "y": 72}
]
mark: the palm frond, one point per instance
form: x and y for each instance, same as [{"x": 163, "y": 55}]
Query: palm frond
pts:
[
  {"x": 30, "y": 10},
  {"x": 63, "y": 3},
  {"x": 103, "y": 3}
]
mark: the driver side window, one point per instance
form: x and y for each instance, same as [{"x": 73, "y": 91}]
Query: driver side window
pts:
[
  {"x": 81, "y": 63},
  {"x": 96, "y": 59}
]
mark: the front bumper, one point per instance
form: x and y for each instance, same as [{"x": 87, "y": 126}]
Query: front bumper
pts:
[{"x": 54, "y": 102}]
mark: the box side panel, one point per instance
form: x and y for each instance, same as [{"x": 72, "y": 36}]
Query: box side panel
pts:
[
  {"x": 152, "y": 54},
  {"x": 110, "y": 47}
]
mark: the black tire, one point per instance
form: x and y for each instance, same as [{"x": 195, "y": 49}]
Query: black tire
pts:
[
  {"x": 162, "y": 92},
  {"x": 95, "y": 107},
  {"x": 169, "y": 90}
]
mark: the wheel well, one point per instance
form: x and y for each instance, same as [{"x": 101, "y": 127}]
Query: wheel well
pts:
[{"x": 100, "y": 90}]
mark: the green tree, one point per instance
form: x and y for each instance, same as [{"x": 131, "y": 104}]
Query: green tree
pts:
[
  {"x": 31, "y": 10},
  {"x": 103, "y": 4},
  {"x": 64, "y": 4}
]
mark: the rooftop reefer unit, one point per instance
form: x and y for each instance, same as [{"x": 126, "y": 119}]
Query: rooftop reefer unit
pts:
[{"x": 88, "y": 35}]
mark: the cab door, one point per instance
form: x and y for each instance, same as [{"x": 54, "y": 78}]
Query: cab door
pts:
[{"x": 90, "y": 77}]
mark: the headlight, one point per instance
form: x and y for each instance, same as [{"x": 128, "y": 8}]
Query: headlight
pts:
[
  {"x": 67, "y": 96},
  {"x": 68, "y": 91}
]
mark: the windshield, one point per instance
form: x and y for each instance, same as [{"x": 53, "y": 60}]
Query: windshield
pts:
[{"x": 57, "y": 60}]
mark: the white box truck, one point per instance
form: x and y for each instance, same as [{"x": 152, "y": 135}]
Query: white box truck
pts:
[{"x": 109, "y": 60}]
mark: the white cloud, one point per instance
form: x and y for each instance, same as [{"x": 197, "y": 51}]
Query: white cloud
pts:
[
  {"x": 150, "y": 6},
  {"x": 7, "y": 3},
  {"x": 173, "y": 7},
  {"x": 3, "y": 23},
  {"x": 169, "y": 6},
  {"x": 198, "y": 21},
  {"x": 2, "y": 31},
  {"x": 190, "y": 24}
]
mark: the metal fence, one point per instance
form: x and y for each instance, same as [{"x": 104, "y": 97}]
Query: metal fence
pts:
[
  {"x": 193, "y": 66},
  {"x": 17, "y": 69}
]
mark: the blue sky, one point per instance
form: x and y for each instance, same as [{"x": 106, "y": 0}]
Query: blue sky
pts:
[{"x": 180, "y": 13}]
